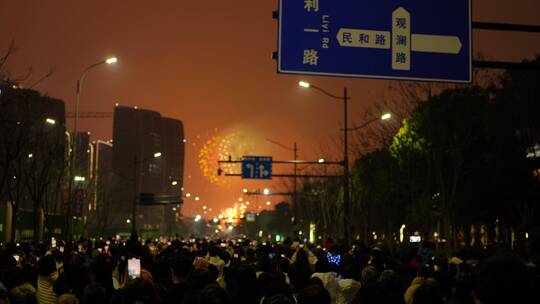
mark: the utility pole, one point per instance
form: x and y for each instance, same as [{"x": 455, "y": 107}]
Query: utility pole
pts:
[{"x": 295, "y": 165}]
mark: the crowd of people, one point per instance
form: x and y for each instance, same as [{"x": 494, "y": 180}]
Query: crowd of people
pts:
[{"x": 242, "y": 271}]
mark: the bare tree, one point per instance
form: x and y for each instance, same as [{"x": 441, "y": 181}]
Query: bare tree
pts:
[{"x": 14, "y": 142}]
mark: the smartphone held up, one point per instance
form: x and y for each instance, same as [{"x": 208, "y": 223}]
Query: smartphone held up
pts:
[{"x": 134, "y": 268}]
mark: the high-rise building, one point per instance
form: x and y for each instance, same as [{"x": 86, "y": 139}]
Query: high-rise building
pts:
[
  {"x": 148, "y": 157},
  {"x": 100, "y": 176},
  {"x": 172, "y": 139}
]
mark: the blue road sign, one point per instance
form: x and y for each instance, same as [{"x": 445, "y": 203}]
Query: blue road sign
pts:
[
  {"x": 390, "y": 39},
  {"x": 257, "y": 167}
]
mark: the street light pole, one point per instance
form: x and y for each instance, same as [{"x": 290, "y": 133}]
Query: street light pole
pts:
[
  {"x": 346, "y": 193},
  {"x": 346, "y": 169},
  {"x": 69, "y": 218}
]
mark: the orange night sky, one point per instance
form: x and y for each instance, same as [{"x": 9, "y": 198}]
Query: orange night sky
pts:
[{"x": 207, "y": 63}]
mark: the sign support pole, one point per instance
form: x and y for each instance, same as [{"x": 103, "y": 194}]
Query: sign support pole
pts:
[{"x": 346, "y": 192}]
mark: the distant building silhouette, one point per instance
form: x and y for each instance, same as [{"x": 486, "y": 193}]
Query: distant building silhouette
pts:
[
  {"x": 137, "y": 135},
  {"x": 172, "y": 133},
  {"x": 101, "y": 188}
]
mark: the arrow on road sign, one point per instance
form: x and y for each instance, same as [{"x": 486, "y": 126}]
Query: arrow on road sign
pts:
[
  {"x": 436, "y": 44},
  {"x": 262, "y": 171},
  {"x": 420, "y": 43},
  {"x": 400, "y": 40}
]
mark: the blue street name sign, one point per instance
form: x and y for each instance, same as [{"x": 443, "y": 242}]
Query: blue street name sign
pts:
[
  {"x": 388, "y": 39},
  {"x": 257, "y": 167}
]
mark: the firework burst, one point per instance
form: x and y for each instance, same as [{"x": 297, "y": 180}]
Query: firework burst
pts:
[{"x": 220, "y": 147}]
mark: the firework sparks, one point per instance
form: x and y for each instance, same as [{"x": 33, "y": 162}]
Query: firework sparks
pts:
[{"x": 234, "y": 144}]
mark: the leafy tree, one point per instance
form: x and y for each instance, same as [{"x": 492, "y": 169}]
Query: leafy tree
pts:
[
  {"x": 517, "y": 113},
  {"x": 446, "y": 133}
]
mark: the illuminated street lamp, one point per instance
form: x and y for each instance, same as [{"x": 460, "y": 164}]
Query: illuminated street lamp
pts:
[
  {"x": 50, "y": 121},
  {"x": 386, "y": 116},
  {"x": 111, "y": 60},
  {"x": 174, "y": 183},
  {"x": 383, "y": 117},
  {"x": 157, "y": 155},
  {"x": 304, "y": 84},
  {"x": 266, "y": 191}
]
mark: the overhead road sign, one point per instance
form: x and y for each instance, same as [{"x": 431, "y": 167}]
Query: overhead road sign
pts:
[
  {"x": 391, "y": 39},
  {"x": 257, "y": 167}
]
